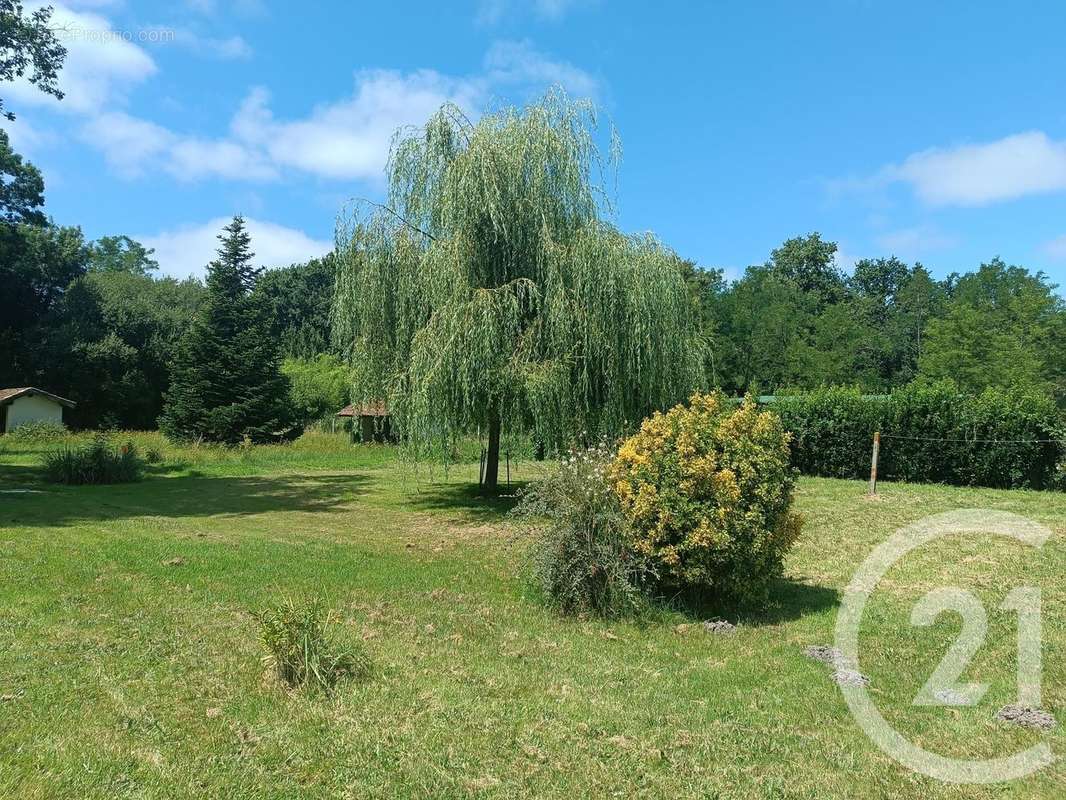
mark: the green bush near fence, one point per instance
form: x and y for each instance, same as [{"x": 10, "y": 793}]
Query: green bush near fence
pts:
[{"x": 929, "y": 433}]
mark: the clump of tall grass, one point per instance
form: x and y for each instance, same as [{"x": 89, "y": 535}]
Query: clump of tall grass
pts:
[
  {"x": 300, "y": 650},
  {"x": 97, "y": 462}
]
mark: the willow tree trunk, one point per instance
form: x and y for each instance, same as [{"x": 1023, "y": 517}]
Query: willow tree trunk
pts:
[{"x": 492, "y": 457}]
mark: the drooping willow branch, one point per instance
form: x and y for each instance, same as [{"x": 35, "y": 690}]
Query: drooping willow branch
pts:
[
  {"x": 397, "y": 216},
  {"x": 490, "y": 290}
]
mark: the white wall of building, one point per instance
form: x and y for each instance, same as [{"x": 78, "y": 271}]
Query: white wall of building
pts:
[{"x": 33, "y": 408}]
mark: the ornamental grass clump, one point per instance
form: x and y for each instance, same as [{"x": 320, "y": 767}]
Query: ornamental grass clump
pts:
[
  {"x": 580, "y": 560},
  {"x": 300, "y": 650},
  {"x": 707, "y": 490},
  {"x": 94, "y": 463}
]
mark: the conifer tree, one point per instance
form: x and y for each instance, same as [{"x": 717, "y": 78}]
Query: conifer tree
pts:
[{"x": 226, "y": 384}]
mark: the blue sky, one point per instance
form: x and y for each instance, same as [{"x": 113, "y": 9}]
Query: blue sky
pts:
[{"x": 933, "y": 131}]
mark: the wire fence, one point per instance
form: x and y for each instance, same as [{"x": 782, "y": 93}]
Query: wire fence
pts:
[{"x": 972, "y": 441}]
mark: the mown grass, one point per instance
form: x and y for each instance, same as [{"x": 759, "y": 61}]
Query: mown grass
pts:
[{"x": 130, "y": 664}]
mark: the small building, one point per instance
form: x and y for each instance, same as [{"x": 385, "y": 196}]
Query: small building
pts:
[
  {"x": 370, "y": 421},
  {"x": 28, "y": 404}
]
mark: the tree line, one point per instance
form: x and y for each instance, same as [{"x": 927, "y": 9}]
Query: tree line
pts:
[
  {"x": 493, "y": 290},
  {"x": 798, "y": 321},
  {"x": 95, "y": 322}
]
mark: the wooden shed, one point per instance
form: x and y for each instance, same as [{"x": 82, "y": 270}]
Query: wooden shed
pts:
[{"x": 370, "y": 421}]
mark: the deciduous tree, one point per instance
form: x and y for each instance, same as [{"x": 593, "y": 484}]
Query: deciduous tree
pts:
[
  {"x": 491, "y": 293},
  {"x": 28, "y": 44}
]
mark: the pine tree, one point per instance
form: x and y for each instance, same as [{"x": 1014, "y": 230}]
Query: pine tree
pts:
[{"x": 226, "y": 383}]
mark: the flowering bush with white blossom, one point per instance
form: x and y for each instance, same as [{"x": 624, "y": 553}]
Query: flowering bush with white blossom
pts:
[{"x": 580, "y": 556}]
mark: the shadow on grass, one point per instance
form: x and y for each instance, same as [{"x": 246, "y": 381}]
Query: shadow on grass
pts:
[
  {"x": 20, "y": 474},
  {"x": 467, "y": 499},
  {"x": 788, "y": 600},
  {"x": 178, "y": 497}
]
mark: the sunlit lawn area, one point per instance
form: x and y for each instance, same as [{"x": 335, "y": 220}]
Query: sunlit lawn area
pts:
[{"x": 130, "y": 665}]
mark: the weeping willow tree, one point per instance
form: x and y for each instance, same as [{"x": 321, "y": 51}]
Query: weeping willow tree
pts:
[{"x": 490, "y": 294}]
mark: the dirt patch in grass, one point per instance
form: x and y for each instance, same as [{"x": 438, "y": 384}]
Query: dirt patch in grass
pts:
[
  {"x": 1026, "y": 717},
  {"x": 719, "y": 627}
]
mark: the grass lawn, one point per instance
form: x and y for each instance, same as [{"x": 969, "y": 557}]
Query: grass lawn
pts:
[{"x": 125, "y": 673}]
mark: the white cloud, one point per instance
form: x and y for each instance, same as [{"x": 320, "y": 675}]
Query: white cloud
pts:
[
  {"x": 553, "y": 9},
  {"x": 102, "y": 64},
  {"x": 914, "y": 241},
  {"x": 188, "y": 249},
  {"x": 490, "y": 12},
  {"x": 510, "y": 62},
  {"x": 980, "y": 174},
  {"x": 348, "y": 139},
  {"x": 131, "y": 145},
  {"x": 845, "y": 259},
  {"x": 232, "y": 47},
  {"x": 229, "y": 48},
  {"x": 191, "y": 159},
  {"x": 26, "y": 137},
  {"x": 1056, "y": 248},
  {"x": 127, "y": 142}
]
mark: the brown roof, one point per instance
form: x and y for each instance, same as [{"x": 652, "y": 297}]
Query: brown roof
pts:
[
  {"x": 8, "y": 395},
  {"x": 375, "y": 408}
]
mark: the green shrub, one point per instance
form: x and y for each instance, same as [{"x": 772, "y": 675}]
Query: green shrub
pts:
[
  {"x": 707, "y": 488},
  {"x": 94, "y": 463},
  {"x": 579, "y": 559},
  {"x": 1058, "y": 482},
  {"x": 930, "y": 432},
  {"x": 319, "y": 387},
  {"x": 300, "y": 650},
  {"x": 997, "y": 438},
  {"x": 832, "y": 429},
  {"x": 39, "y": 431}
]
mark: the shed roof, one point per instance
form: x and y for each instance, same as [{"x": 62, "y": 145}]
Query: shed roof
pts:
[
  {"x": 375, "y": 408},
  {"x": 9, "y": 395}
]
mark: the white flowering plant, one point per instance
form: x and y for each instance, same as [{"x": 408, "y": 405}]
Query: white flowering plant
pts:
[{"x": 579, "y": 558}]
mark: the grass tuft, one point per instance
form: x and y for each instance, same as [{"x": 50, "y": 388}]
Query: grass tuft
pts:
[{"x": 300, "y": 650}]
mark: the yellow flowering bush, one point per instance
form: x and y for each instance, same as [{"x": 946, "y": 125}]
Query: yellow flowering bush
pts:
[{"x": 707, "y": 489}]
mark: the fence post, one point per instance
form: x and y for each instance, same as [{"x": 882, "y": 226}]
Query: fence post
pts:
[
  {"x": 508, "y": 469},
  {"x": 873, "y": 463}
]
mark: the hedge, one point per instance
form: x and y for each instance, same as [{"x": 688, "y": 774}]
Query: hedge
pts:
[{"x": 929, "y": 433}]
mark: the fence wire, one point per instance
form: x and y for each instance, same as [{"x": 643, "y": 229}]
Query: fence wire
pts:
[{"x": 973, "y": 441}]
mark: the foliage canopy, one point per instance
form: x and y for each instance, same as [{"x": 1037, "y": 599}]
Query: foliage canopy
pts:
[{"x": 492, "y": 293}]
